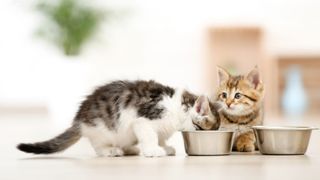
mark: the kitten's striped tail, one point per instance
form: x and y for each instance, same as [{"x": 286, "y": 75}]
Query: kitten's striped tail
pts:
[{"x": 58, "y": 143}]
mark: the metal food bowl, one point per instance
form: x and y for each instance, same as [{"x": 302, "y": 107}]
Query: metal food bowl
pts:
[
  {"x": 283, "y": 140},
  {"x": 208, "y": 143}
]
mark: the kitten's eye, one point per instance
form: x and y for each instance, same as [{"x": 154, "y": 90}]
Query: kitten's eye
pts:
[
  {"x": 237, "y": 96},
  {"x": 224, "y": 95}
]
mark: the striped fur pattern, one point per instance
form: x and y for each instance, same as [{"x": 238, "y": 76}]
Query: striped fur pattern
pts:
[{"x": 241, "y": 98}]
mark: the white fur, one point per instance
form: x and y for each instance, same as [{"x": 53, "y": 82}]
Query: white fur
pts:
[{"x": 150, "y": 134}]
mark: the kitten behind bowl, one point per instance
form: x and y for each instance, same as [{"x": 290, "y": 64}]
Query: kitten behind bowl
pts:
[
  {"x": 241, "y": 98},
  {"x": 122, "y": 114}
]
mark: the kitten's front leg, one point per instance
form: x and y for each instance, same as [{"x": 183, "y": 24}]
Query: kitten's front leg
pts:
[
  {"x": 148, "y": 139},
  {"x": 169, "y": 149},
  {"x": 246, "y": 142}
]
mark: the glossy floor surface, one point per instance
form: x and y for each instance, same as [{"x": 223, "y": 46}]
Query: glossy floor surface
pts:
[{"x": 79, "y": 162}]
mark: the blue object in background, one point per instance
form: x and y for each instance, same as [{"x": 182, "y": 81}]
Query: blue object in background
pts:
[{"x": 294, "y": 99}]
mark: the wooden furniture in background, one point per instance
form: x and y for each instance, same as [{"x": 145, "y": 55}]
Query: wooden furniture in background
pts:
[{"x": 238, "y": 49}]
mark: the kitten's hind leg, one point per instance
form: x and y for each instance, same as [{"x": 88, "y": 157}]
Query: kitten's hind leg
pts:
[
  {"x": 104, "y": 150},
  {"x": 148, "y": 139},
  {"x": 109, "y": 151},
  {"x": 102, "y": 140}
]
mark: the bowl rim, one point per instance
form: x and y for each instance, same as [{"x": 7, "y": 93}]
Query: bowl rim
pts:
[
  {"x": 294, "y": 128},
  {"x": 207, "y": 131}
]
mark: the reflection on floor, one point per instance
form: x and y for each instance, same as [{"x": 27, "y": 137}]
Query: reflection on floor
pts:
[{"x": 79, "y": 162}]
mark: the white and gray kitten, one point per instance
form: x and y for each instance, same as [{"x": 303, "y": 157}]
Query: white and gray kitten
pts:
[{"x": 120, "y": 115}]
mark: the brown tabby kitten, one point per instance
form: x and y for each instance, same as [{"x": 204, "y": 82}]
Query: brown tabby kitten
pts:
[{"x": 241, "y": 99}]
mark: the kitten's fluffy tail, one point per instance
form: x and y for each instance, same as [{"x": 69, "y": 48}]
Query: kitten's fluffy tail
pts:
[{"x": 59, "y": 143}]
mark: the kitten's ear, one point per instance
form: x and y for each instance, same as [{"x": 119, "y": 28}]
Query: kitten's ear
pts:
[
  {"x": 223, "y": 75},
  {"x": 202, "y": 105},
  {"x": 254, "y": 77}
]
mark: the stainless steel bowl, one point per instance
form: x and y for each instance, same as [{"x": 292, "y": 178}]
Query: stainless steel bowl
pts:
[
  {"x": 282, "y": 140},
  {"x": 208, "y": 143}
]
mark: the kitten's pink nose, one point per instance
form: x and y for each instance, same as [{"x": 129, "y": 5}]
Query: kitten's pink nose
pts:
[{"x": 229, "y": 103}]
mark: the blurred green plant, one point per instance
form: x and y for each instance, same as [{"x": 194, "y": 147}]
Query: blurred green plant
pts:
[{"x": 69, "y": 23}]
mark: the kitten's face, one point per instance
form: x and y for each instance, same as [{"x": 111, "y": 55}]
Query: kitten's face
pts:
[
  {"x": 239, "y": 95},
  {"x": 203, "y": 117}
]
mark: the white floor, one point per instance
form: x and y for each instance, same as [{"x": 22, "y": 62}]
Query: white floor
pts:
[{"x": 79, "y": 162}]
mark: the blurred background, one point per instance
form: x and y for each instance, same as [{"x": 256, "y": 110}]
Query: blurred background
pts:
[{"x": 53, "y": 53}]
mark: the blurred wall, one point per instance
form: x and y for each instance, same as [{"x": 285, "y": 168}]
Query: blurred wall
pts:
[{"x": 163, "y": 40}]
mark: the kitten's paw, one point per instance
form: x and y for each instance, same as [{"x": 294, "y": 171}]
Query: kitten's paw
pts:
[
  {"x": 111, "y": 152},
  {"x": 156, "y": 151},
  {"x": 245, "y": 147},
  {"x": 245, "y": 142},
  {"x": 170, "y": 151}
]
